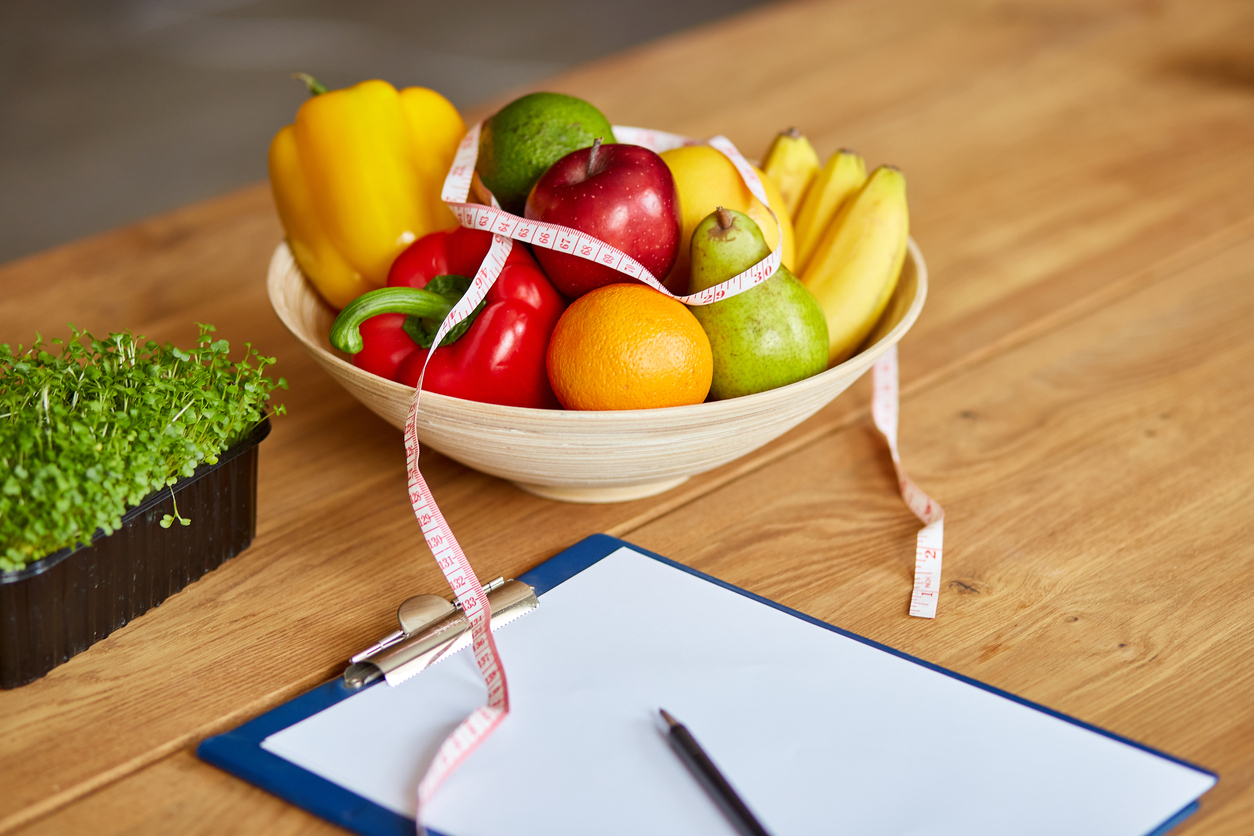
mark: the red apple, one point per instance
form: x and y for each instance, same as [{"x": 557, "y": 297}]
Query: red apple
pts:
[{"x": 624, "y": 195}]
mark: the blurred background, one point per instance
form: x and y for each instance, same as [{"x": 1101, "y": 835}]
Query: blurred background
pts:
[{"x": 113, "y": 110}]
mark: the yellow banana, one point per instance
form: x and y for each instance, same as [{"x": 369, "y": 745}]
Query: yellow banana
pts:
[
  {"x": 843, "y": 175},
  {"x": 855, "y": 269},
  {"x": 791, "y": 162}
]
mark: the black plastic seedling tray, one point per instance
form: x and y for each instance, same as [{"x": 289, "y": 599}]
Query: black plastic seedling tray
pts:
[{"x": 62, "y": 604}]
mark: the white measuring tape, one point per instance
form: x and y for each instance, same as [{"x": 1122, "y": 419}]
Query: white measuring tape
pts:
[
  {"x": 456, "y": 567},
  {"x": 506, "y": 229},
  {"x": 927, "y": 550},
  {"x": 496, "y": 220}
]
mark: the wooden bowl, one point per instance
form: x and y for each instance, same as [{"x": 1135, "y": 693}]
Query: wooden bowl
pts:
[{"x": 589, "y": 456}]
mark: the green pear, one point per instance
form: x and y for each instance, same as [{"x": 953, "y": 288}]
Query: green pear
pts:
[{"x": 768, "y": 336}]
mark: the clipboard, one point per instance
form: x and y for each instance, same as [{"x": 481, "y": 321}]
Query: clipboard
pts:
[{"x": 1146, "y": 793}]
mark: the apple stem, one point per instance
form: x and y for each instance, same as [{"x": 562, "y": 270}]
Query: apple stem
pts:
[
  {"x": 724, "y": 218},
  {"x": 592, "y": 157}
]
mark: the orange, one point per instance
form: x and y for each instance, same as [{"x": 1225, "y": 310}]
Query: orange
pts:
[
  {"x": 626, "y": 346},
  {"x": 706, "y": 180}
]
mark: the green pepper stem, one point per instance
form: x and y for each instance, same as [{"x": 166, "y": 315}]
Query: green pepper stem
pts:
[
  {"x": 346, "y": 330},
  {"x": 316, "y": 88}
]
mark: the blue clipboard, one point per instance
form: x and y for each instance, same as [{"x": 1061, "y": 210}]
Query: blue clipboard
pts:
[{"x": 239, "y": 751}]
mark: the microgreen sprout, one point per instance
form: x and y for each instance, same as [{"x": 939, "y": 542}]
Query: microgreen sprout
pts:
[
  {"x": 88, "y": 434},
  {"x": 168, "y": 519}
]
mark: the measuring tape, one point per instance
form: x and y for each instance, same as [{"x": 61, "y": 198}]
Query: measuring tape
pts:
[
  {"x": 502, "y": 224},
  {"x": 928, "y": 545},
  {"x": 457, "y": 570},
  {"x": 506, "y": 229}
]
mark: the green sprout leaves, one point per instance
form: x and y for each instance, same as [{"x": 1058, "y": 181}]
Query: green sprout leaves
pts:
[
  {"x": 88, "y": 434},
  {"x": 168, "y": 519}
]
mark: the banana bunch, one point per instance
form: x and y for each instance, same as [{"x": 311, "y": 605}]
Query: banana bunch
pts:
[{"x": 851, "y": 231}]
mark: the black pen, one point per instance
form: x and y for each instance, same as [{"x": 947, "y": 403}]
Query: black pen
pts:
[{"x": 691, "y": 753}]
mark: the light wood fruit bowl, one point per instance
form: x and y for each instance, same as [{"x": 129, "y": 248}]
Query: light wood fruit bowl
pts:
[{"x": 589, "y": 456}]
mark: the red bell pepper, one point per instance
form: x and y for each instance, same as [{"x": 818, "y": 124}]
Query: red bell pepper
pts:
[{"x": 496, "y": 356}]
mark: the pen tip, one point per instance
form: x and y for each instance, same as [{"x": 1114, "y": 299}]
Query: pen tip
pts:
[{"x": 670, "y": 721}]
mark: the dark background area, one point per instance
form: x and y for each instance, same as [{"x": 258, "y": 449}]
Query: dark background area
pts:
[{"x": 113, "y": 111}]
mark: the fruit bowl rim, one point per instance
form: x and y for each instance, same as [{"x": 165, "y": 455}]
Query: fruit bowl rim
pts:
[{"x": 446, "y": 404}]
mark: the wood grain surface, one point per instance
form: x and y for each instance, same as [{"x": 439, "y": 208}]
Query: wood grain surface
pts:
[{"x": 1077, "y": 394}]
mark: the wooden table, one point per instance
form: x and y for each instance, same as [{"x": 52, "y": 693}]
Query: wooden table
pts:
[{"x": 1079, "y": 394}]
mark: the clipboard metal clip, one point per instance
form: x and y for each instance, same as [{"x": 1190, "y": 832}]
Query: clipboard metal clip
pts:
[{"x": 429, "y": 628}]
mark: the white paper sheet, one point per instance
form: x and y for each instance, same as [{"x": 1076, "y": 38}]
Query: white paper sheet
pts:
[{"x": 819, "y": 732}]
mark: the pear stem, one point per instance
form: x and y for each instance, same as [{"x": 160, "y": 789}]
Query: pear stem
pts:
[
  {"x": 592, "y": 157},
  {"x": 724, "y": 218},
  {"x": 792, "y": 133}
]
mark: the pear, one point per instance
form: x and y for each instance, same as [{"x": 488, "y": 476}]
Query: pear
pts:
[{"x": 769, "y": 336}]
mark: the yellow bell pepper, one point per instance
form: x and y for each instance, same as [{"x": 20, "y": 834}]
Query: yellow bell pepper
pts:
[{"x": 357, "y": 179}]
